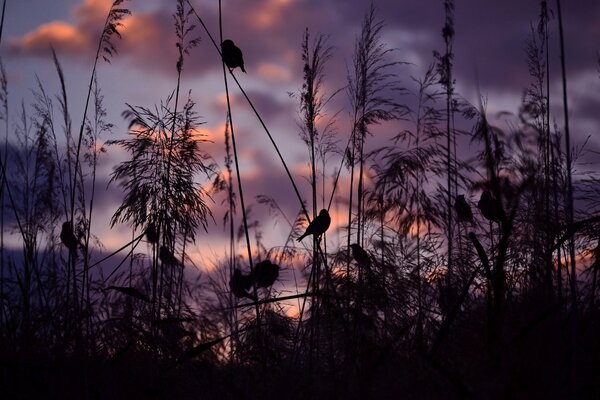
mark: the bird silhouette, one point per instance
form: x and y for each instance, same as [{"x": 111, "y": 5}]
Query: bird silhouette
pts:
[
  {"x": 490, "y": 207},
  {"x": 68, "y": 238},
  {"x": 167, "y": 257},
  {"x": 232, "y": 55},
  {"x": 318, "y": 226},
  {"x": 463, "y": 209},
  {"x": 152, "y": 233},
  {"x": 360, "y": 255},
  {"x": 240, "y": 284},
  {"x": 265, "y": 274}
]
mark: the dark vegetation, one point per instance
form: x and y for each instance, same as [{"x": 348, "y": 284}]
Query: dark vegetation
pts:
[{"x": 456, "y": 276}]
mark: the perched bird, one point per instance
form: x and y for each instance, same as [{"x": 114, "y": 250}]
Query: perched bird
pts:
[
  {"x": 360, "y": 255},
  {"x": 167, "y": 257},
  {"x": 463, "y": 209},
  {"x": 240, "y": 284},
  {"x": 152, "y": 233},
  {"x": 232, "y": 55},
  {"x": 68, "y": 237},
  {"x": 490, "y": 207},
  {"x": 265, "y": 274},
  {"x": 318, "y": 226}
]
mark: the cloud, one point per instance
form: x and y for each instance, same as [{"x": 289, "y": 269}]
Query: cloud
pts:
[
  {"x": 67, "y": 38},
  {"x": 63, "y": 37},
  {"x": 79, "y": 38}
]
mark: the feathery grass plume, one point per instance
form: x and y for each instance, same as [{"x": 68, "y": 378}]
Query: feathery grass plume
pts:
[
  {"x": 312, "y": 105},
  {"x": 183, "y": 28},
  {"x": 534, "y": 115},
  {"x": 162, "y": 158},
  {"x": 106, "y": 49},
  {"x": 402, "y": 181},
  {"x": 318, "y": 140},
  {"x": 95, "y": 128},
  {"x": 33, "y": 201},
  {"x": 149, "y": 150},
  {"x": 372, "y": 89}
]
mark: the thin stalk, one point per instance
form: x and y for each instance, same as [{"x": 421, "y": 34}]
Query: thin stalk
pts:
[
  {"x": 448, "y": 35},
  {"x": 546, "y": 141},
  {"x": 568, "y": 159},
  {"x": 230, "y": 197}
]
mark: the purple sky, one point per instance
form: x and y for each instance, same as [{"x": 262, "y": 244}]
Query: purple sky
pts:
[{"x": 489, "y": 44}]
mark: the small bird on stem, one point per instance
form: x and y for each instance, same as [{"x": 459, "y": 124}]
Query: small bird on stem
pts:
[
  {"x": 318, "y": 226},
  {"x": 463, "y": 209},
  {"x": 490, "y": 207},
  {"x": 232, "y": 55},
  {"x": 265, "y": 274},
  {"x": 167, "y": 257},
  {"x": 240, "y": 284},
  {"x": 68, "y": 238},
  {"x": 152, "y": 233},
  {"x": 360, "y": 255}
]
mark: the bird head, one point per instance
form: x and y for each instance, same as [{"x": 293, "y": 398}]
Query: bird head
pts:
[
  {"x": 227, "y": 43},
  {"x": 323, "y": 213}
]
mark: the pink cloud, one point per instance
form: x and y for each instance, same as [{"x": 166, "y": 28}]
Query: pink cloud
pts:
[
  {"x": 65, "y": 37},
  {"x": 80, "y": 36},
  {"x": 61, "y": 35}
]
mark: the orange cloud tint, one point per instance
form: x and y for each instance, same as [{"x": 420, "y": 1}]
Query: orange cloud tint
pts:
[
  {"x": 274, "y": 73},
  {"x": 82, "y": 34},
  {"x": 92, "y": 11},
  {"x": 64, "y": 37},
  {"x": 268, "y": 15},
  {"x": 211, "y": 134},
  {"x": 141, "y": 30}
]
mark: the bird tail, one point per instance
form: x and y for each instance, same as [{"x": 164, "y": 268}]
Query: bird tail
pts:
[{"x": 302, "y": 237}]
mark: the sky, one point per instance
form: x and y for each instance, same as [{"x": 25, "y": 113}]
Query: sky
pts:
[{"x": 489, "y": 54}]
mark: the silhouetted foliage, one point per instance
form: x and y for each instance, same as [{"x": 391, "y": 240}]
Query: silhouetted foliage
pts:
[{"x": 416, "y": 294}]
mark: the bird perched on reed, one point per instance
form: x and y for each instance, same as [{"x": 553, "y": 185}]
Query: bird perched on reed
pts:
[
  {"x": 463, "y": 209},
  {"x": 318, "y": 226},
  {"x": 152, "y": 233},
  {"x": 68, "y": 238},
  {"x": 240, "y": 284},
  {"x": 265, "y": 274},
  {"x": 360, "y": 255},
  {"x": 490, "y": 207},
  {"x": 232, "y": 55},
  {"x": 167, "y": 257}
]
